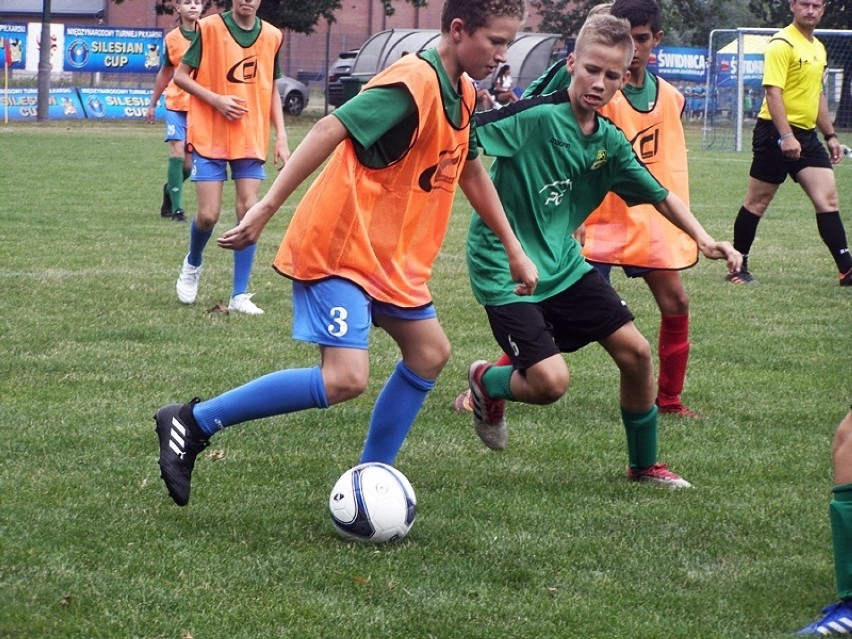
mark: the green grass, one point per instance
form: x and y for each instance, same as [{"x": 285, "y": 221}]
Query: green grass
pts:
[{"x": 544, "y": 540}]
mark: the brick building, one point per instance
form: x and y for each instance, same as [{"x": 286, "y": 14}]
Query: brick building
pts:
[{"x": 355, "y": 22}]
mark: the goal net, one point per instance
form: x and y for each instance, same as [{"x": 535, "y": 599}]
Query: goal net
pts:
[{"x": 734, "y": 92}]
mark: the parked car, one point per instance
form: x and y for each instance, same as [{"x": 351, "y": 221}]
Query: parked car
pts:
[
  {"x": 339, "y": 69},
  {"x": 294, "y": 95}
]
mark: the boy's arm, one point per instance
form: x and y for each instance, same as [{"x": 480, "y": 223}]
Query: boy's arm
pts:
[
  {"x": 164, "y": 76},
  {"x": 480, "y": 191},
  {"x": 281, "y": 150},
  {"x": 318, "y": 144},
  {"x": 674, "y": 210},
  {"x": 231, "y": 106}
]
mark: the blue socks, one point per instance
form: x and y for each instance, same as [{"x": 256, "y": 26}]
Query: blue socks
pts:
[
  {"x": 277, "y": 393},
  {"x": 197, "y": 241},
  {"x": 243, "y": 260},
  {"x": 396, "y": 408},
  {"x": 293, "y": 390}
]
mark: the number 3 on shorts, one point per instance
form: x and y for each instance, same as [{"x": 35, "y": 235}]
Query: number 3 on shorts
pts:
[{"x": 338, "y": 326}]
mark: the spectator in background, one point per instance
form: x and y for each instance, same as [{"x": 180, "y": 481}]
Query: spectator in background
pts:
[{"x": 503, "y": 87}]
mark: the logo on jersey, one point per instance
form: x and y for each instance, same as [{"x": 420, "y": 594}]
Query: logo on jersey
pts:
[
  {"x": 600, "y": 160},
  {"x": 646, "y": 144},
  {"x": 244, "y": 71},
  {"x": 444, "y": 174},
  {"x": 555, "y": 192}
]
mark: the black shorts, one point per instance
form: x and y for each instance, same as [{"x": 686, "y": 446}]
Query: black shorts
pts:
[
  {"x": 769, "y": 164},
  {"x": 587, "y": 312}
]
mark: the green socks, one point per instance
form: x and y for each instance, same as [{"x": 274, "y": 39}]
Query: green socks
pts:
[
  {"x": 496, "y": 381},
  {"x": 641, "y": 431},
  {"x": 175, "y": 175},
  {"x": 840, "y": 511}
]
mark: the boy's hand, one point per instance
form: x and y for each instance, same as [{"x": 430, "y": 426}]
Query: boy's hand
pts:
[
  {"x": 231, "y": 106},
  {"x": 525, "y": 273},
  {"x": 723, "y": 251},
  {"x": 246, "y": 233}
]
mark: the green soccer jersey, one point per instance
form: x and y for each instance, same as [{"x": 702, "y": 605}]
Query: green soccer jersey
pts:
[
  {"x": 383, "y": 119},
  {"x": 550, "y": 177},
  {"x": 244, "y": 38}
]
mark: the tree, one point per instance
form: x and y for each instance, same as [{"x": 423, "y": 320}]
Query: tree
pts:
[
  {"x": 838, "y": 15},
  {"x": 689, "y": 23},
  {"x": 301, "y": 16},
  {"x": 686, "y": 22}
]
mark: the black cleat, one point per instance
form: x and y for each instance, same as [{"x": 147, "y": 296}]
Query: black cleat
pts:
[
  {"x": 166, "y": 206},
  {"x": 180, "y": 442},
  {"x": 179, "y": 216}
]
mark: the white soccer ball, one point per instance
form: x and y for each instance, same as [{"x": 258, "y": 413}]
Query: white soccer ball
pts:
[{"x": 372, "y": 502}]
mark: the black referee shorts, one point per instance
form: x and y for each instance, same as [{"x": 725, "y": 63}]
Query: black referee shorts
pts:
[{"x": 769, "y": 164}]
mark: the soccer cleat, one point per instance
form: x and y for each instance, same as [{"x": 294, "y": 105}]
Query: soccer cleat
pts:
[
  {"x": 488, "y": 414},
  {"x": 166, "y": 206},
  {"x": 741, "y": 277},
  {"x": 179, "y": 216},
  {"x": 180, "y": 442},
  {"x": 187, "y": 283},
  {"x": 462, "y": 403},
  {"x": 242, "y": 304},
  {"x": 677, "y": 408},
  {"x": 846, "y": 278},
  {"x": 836, "y": 620},
  {"x": 658, "y": 474}
]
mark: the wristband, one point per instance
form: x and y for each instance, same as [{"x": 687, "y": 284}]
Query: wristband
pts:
[
  {"x": 784, "y": 137},
  {"x": 828, "y": 136}
]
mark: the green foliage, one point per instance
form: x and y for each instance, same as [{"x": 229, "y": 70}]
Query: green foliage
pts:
[
  {"x": 301, "y": 17},
  {"x": 544, "y": 540},
  {"x": 689, "y": 22}
]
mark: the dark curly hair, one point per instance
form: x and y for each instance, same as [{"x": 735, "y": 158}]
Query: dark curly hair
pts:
[{"x": 476, "y": 13}]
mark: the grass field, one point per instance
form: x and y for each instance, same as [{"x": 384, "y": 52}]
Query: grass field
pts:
[{"x": 546, "y": 539}]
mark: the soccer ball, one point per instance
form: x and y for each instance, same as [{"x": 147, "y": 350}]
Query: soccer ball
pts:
[{"x": 372, "y": 502}]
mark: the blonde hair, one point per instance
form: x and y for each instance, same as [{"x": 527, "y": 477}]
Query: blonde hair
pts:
[{"x": 604, "y": 29}]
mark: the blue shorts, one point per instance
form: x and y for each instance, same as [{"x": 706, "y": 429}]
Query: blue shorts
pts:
[
  {"x": 210, "y": 170},
  {"x": 175, "y": 126},
  {"x": 336, "y": 312}
]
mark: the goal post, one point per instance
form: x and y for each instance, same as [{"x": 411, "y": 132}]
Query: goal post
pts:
[{"x": 734, "y": 90}]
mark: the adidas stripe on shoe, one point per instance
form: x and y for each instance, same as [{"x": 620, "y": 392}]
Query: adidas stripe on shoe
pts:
[{"x": 180, "y": 442}]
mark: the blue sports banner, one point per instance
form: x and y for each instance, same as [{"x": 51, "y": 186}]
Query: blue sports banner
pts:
[
  {"x": 13, "y": 45},
  {"x": 679, "y": 63},
  {"x": 113, "y": 50},
  {"x": 105, "y": 104},
  {"x": 22, "y": 104},
  {"x": 726, "y": 69}
]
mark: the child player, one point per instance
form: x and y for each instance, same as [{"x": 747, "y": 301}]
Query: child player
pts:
[
  {"x": 645, "y": 244},
  {"x": 229, "y": 71},
  {"x": 360, "y": 247},
  {"x": 555, "y": 161},
  {"x": 175, "y": 44}
]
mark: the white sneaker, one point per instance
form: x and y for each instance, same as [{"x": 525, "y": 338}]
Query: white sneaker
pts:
[
  {"x": 242, "y": 304},
  {"x": 187, "y": 283}
]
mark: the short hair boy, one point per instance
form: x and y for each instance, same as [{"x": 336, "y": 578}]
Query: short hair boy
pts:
[
  {"x": 362, "y": 242},
  {"x": 555, "y": 160}
]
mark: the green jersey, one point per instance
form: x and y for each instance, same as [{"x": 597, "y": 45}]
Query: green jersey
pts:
[
  {"x": 383, "y": 119},
  {"x": 244, "y": 38},
  {"x": 550, "y": 177}
]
